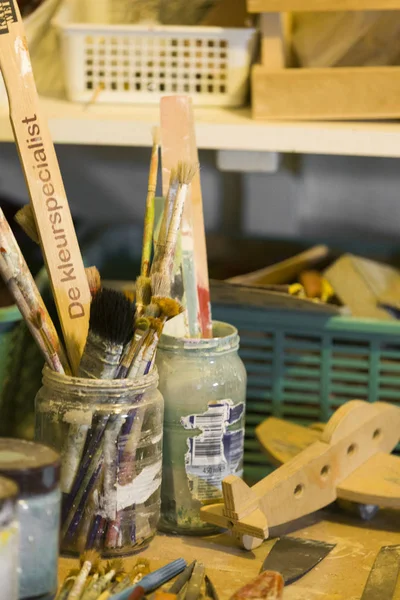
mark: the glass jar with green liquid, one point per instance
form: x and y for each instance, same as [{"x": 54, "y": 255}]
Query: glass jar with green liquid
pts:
[{"x": 203, "y": 382}]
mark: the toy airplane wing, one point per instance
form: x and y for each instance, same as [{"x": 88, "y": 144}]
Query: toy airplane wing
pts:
[
  {"x": 282, "y": 441},
  {"x": 348, "y": 458}
]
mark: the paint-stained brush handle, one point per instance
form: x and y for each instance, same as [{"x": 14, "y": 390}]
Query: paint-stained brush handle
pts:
[
  {"x": 42, "y": 173},
  {"x": 268, "y": 586}
]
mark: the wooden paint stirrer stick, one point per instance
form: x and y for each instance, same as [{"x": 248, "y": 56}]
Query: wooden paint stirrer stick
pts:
[
  {"x": 42, "y": 173},
  {"x": 178, "y": 143}
]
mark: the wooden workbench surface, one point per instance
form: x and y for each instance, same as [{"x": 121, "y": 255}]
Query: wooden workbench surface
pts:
[{"x": 341, "y": 576}]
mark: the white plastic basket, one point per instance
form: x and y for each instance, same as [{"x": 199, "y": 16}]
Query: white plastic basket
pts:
[
  {"x": 139, "y": 63},
  {"x": 34, "y": 25}
]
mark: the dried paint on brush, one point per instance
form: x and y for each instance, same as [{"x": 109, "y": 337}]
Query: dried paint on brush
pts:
[
  {"x": 22, "y": 286},
  {"x": 110, "y": 327}
]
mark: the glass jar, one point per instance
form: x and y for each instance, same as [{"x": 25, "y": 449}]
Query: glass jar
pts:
[
  {"x": 9, "y": 560},
  {"x": 203, "y": 382},
  {"x": 109, "y": 434},
  {"x": 36, "y": 471}
]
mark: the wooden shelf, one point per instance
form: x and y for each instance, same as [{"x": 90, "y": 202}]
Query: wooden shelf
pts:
[
  {"x": 216, "y": 129},
  {"x": 260, "y": 6}
]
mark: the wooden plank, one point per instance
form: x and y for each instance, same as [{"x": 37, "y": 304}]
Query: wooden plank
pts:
[
  {"x": 260, "y": 6},
  {"x": 273, "y": 41},
  {"x": 45, "y": 186},
  {"x": 338, "y": 93}
]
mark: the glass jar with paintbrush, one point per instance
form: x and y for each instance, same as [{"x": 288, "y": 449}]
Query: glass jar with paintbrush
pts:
[
  {"x": 107, "y": 425},
  {"x": 109, "y": 434}
]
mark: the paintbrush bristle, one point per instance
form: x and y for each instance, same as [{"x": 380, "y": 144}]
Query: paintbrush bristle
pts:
[
  {"x": 158, "y": 326},
  {"x": 143, "y": 290},
  {"x": 91, "y": 556},
  {"x": 130, "y": 294},
  {"x": 156, "y": 136},
  {"x": 186, "y": 172},
  {"x": 143, "y": 323},
  {"x": 94, "y": 280},
  {"x": 160, "y": 284},
  {"x": 152, "y": 310},
  {"x": 168, "y": 307},
  {"x": 117, "y": 565},
  {"x": 26, "y": 221},
  {"x": 112, "y": 316}
]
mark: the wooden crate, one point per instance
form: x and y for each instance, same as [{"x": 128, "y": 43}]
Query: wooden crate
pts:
[{"x": 282, "y": 92}]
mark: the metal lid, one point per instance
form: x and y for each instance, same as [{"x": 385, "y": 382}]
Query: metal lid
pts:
[
  {"x": 8, "y": 489},
  {"x": 33, "y": 467}
]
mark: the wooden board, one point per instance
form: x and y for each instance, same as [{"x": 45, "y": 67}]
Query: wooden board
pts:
[
  {"x": 274, "y": 28},
  {"x": 340, "y": 576},
  {"x": 285, "y": 271},
  {"x": 259, "y": 6},
  {"x": 337, "y": 93}
]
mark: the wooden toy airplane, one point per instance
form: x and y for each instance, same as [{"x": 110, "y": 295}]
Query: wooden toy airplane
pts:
[{"x": 348, "y": 459}]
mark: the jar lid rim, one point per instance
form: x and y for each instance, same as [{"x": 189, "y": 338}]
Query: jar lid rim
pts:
[
  {"x": 227, "y": 337},
  {"x": 99, "y": 384}
]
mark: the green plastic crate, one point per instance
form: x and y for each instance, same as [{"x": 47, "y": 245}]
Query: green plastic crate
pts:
[{"x": 303, "y": 366}]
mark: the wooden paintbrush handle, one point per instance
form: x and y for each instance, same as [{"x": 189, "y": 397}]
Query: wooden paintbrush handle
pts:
[{"x": 42, "y": 173}]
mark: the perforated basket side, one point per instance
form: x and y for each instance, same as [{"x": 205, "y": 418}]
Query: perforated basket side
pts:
[{"x": 139, "y": 64}]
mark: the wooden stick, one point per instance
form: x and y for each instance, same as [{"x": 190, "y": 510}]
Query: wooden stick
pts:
[
  {"x": 22, "y": 286},
  {"x": 53, "y": 218},
  {"x": 149, "y": 216},
  {"x": 179, "y": 144}
]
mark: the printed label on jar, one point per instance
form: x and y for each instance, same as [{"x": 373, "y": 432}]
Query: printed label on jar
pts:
[{"x": 216, "y": 452}]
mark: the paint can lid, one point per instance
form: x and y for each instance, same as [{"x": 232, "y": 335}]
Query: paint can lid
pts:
[
  {"x": 33, "y": 467},
  {"x": 8, "y": 489}
]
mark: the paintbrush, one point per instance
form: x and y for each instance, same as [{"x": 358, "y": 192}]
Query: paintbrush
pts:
[
  {"x": 140, "y": 365},
  {"x": 161, "y": 278},
  {"x": 149, "y": 215},
  {"x": 93, "y": 279},
  {"x": 143, "y": 282},
  {"x": 89, "y": 563},
  {"x": 185, "y": 173},
  {"x": 154, "y": 580},
  {"x": 67, "y": 584},
  {"x": 142, "y": 326},
  {"x": 111, "y": 323},
  {"x": 22, "y": 286},
  {"x": 195, "y": 582},
  {"x": 111, "y": 318},
  {"x": 26, "y": 220},
  {"x": 110, "y": 327},
  {"x": 42, "y": 174},
  {"x": 98, "y": 587},
  {"x": 165, "y": 220}
]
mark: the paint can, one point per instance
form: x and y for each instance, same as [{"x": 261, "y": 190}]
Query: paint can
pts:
[
  {"x": 9, "y": 557},
  {"x": 35, "y": 469}
]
